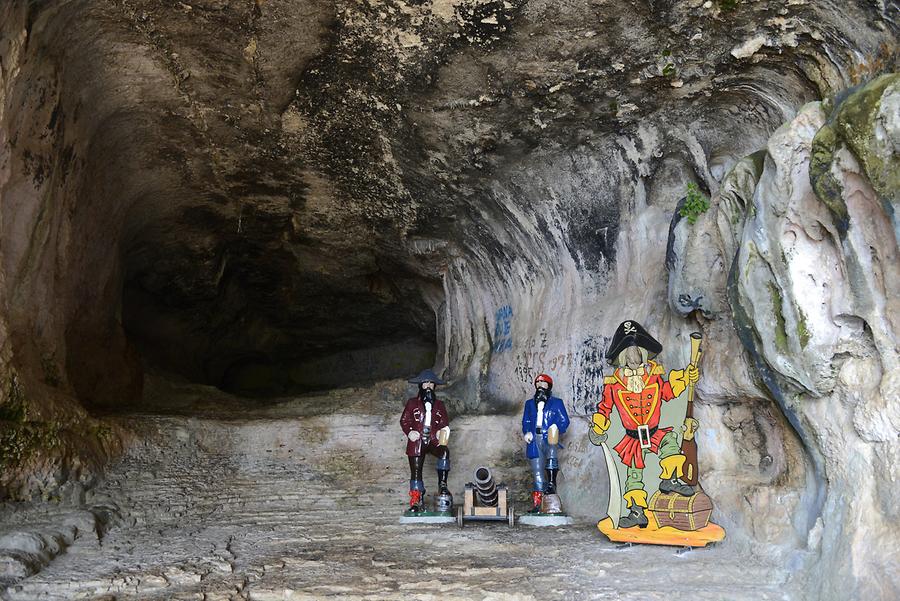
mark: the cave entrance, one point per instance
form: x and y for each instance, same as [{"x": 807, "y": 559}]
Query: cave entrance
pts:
[
  {"x": 260, "y": 375},
  {"x": 264, "y": 332}
]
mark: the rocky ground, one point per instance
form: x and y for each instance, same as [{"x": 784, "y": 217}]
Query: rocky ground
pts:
[{"x": 300, "y": 500}]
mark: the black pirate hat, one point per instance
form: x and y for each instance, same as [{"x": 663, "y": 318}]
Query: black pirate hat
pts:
[
  {"x": 631, "y": 333},
  {"x": 426, "y": 376}
]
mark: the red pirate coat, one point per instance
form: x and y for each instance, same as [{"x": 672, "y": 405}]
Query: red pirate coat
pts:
[
  {"x": 637, "y": 409},
  {"x": 413, "y": 418}
]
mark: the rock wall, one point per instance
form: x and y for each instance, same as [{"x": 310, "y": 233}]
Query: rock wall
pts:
[
  {"x": 62, "y": 345},
  {"x": 246, "y": 187},
  {"x": 808, "y": 230}
]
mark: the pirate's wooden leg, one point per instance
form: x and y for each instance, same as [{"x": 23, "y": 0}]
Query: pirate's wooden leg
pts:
[
  {"x": 672, "y": 461},
  {"x": 552, "y": 468},
  {"x": 445, "y": 499}
]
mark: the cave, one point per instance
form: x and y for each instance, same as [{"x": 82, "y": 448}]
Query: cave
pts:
[
  {"x": 232, "y": 231},
  {"x": 345, "y": 322}
]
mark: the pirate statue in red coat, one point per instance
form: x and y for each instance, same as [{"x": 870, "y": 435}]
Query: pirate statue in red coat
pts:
[
  {"x": 637, "y": 389},
  {"x": 427, "y": 428}
]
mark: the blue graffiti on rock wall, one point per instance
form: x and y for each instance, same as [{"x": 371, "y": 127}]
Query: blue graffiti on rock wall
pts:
[{"x": 503, "y": 329}]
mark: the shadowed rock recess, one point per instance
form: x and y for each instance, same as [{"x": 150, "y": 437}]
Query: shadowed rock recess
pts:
[{"x": 223, "y": 209}]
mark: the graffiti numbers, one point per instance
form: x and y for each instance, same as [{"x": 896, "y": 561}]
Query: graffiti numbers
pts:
[{"x": 532, "y": 362}]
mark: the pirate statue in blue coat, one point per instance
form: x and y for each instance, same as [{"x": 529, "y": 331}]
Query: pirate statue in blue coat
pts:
[{"x": 543, "y": 421}]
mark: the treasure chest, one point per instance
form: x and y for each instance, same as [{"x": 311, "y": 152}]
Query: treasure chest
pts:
[{"x": 680, "y": 512}]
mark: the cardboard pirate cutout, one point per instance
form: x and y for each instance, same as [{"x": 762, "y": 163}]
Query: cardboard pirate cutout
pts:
[
  {"x": 426, "y": 425},
  {"x": 637, "y": 388},
  {"x": 544, "y": 420}
]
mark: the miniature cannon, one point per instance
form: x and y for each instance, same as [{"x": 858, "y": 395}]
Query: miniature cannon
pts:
[{"x": 485, "y": 501}]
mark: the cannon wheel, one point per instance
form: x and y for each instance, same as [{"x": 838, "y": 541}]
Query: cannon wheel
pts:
[
  {"x": 459, "y": 516},
  {"x": 512, "y": 517}
]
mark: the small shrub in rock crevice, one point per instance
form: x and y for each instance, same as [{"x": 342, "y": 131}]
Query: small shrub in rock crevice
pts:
[
  {"x": 695, "y": 204},
  {"x": 727, "y": 5}
]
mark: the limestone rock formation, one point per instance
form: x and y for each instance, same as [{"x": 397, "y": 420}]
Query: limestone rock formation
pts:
[
  {"x": 277, "y": 196},
  {"x": 813, "y": 289}
]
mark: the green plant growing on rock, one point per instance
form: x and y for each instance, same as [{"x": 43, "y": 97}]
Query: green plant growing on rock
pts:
[
  {"x": 668, "y": 69},
  {"x": 695, "y": 204},
  {"x": 727, "y": 5}
]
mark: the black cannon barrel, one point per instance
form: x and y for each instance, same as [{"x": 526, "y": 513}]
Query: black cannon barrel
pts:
[{"x": 485, "y": 489}]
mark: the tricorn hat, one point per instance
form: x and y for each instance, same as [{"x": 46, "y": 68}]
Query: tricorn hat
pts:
[
  {"x": 426, "y": 376},
  {"x": 631, "y": 333}
]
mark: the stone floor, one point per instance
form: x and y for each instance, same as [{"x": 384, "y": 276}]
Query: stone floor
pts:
[{"x": 284, "y": 505}]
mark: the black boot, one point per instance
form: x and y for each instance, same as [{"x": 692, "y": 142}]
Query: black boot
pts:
[
  {"x": 675, "y": 485},
  {"x": 551, "y": 481},
  {"x": 635, "y": 518}
]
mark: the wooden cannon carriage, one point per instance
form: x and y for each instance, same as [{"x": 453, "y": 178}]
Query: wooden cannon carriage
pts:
[{"x": 484, "y": 501}]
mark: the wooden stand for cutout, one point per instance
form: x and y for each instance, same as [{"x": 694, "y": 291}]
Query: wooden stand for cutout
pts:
[{"x": 653, "y": 534}]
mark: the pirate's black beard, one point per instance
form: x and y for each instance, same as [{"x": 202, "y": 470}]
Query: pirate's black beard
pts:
[
  {"x": 428, "y": 396},
  {"x": 540, "y": 395}
]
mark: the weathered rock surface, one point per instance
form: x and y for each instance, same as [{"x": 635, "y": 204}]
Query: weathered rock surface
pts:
[
  {"x": 283, "y": 195},
  {"x": 274, "y": 183},
  {"x": 814, "y": 287}
]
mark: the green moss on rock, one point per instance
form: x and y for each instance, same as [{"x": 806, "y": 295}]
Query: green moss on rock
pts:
[
  {"x": 13, "y": 407},
  {"x": 26, "y": 440},
  {"x": 51, "y": 370},
  {"x": 852, "y": 123},
  {"x": 19, "y": 441},
  {"x": 781, "y": 339},
  {"x": 828, "y": 189},
  {"x": 855, "y": 122},
  {"x": 20, "y": 437},
  {"x": 802, "y": 329}
]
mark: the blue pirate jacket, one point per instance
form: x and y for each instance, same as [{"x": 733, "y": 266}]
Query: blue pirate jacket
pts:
[{"x": 554, "y": 414}]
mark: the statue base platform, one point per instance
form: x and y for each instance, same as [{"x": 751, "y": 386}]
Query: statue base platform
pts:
[
  {"x": 654, "y": 535},
  {"x": 545, "y": 519},
  {"x": 427, "y": 517}
]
